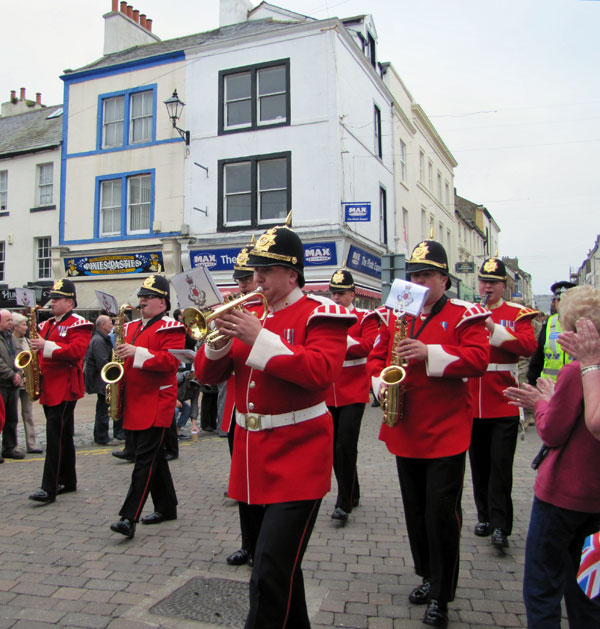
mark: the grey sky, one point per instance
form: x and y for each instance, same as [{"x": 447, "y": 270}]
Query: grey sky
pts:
[{"x": 511, "y": 85}]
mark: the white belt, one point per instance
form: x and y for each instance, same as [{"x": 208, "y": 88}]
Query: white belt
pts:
[
  {"x": 251, "y": 421},
  {"x": 512, "y": 367},
  {"x": 355, "y": 361}
]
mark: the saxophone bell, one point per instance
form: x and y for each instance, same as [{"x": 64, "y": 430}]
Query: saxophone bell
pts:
[{"x": 112, "y": 372}]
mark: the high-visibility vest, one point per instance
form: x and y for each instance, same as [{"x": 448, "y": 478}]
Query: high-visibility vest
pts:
[{"x": 554, "y": 357}]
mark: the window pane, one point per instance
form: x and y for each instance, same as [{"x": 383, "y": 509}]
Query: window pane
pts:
[
  {"x": 272, "y": 174},
  {"x": 44, "y": 258},
  {"x": 237, "y": 177},
  {"x": 2, "y": 259},
  {"x": 139, "y": 203},
  {"x": 271, "y": 80},
  {"x": 273, "y": 205},
  {"x": 238, "y": 113},
  {"x": 110, "y": 209},
  {"x": 238, "y": 86},
  {"x": 237, "y": 208},
  {"x": 141, "y": 117},
  {"x": 272, "y": 107},
  {"x": 3, "y": 189},
  {"x": 113, "y": 121}
]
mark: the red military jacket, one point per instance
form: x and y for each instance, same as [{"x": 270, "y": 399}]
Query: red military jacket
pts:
[
  {"x": 513, "y": 336},
  {"x": 437, "y": 413},
  {"x": 290, "y": 367},
  {"x": 149, "y": 384},
  {"x": 353, "y": 384},
  {"x": 61, "y": 360}
]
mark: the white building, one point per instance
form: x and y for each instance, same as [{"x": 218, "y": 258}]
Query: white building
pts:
[
  {"x": 283, "y": 112},
  {"x": 589, "y": 271},
  {"x": 30, "y": 139}
]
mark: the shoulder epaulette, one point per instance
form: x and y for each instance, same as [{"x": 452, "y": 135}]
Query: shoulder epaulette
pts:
[
  {"x": 472, "y": 312},
  {"x": 524, "y": 311},
  {"x": 325, "y": 301},
  {"x": 331, "y": 311},
  {"x": 383, "y": 313},
  {"x": 168, "y": 323},
  {"x": 80, "y": 321}
]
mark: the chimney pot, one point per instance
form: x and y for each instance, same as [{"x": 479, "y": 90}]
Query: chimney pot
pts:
[
  {"x": 123, "y": 6},
  {"x": 22, "y": 94},
  {"x": 130, "y": 11},
  {"x": 115, "y": 5},
  {"x": 13, "y": 95},
  {"x": 38, "y": 98},
  {"x": 143, "y": 20},
  {"x": 148, "y": 25},
  {"x": 136, "y": 16}
]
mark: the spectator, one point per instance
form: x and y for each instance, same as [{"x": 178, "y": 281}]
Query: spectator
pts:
[
  {"x": 566, "y": 505},
  {"x": 21, "y": 344}
]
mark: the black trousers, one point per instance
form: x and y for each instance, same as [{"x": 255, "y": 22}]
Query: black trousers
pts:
[
  {"x": 431, "y": 493},
  {"x": 101, "y": 422},
  {"x": 346, "y": 430},
  {"x": 10, "y": 395},
  {"x": 150, "y": 474},
  {"x": 277, "y": 598},
  {"x": 492, "y": 451},
  {"x": 59, "y": 465},
  {"x": 171, "y": 440},
  {"x": 208, "y": 411}
]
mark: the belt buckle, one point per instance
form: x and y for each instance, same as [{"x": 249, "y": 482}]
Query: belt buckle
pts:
[{"x": 253, "y": 422}]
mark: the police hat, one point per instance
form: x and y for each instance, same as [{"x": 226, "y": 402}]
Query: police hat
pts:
[
  {"x": 341, "y": 280},
  {"x": 429, "y": 255},
  {"x": 493, "y": 269},
  {"x": 241, "y": 268},
  {"x": 558, "y": 288},
  {"x": 64, "y": 289},
  {"x": 279, "y": 246},
  {"x": 156, "y": 286}
]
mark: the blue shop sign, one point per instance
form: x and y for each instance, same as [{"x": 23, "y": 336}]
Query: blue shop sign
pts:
[
  {"x": 150, "y": 262},
  {"x": 361, "y": 260},
  {"x": 357, "y": 212},
  {"x": 315, "y": 254}
]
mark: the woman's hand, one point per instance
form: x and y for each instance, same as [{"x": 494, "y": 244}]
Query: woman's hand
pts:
[{"x": 585, "y": 345}]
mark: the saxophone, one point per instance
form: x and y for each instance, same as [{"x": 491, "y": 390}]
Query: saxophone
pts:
[
  {"x": 391, "y": 393},
  {"x": 27, "y": 360},
  {"x": 113, "y": 371}
]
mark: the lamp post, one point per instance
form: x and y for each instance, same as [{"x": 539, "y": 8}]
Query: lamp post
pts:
[{"x": 174, "y": 108}]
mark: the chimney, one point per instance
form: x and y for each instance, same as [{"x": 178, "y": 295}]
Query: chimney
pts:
[
  {"x": 13, "y": 96},
  {"x": 130, "y": 11},
  {"x": 234, "y": 11},
  {"x": 143, "y": 20},
  {"x": 126, "y": 28},
  {"x": 38, "y": 98},
  {"x": 22, "y": 94},
  {"x": 20, "y": 105},
  {"x": 115, "y": 6},
  {"x": 148, "y": 25},
  {"x": 136, "y": 16},
  {"x": 123, "y": 6}
]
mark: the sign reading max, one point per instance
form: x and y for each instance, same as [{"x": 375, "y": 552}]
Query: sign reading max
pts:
[{"x": 357, "y": 212}]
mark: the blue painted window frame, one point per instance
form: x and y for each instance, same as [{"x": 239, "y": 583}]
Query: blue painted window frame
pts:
[
  {"x": 126, "y": 117},
  {"x": 124, "y": 177}
]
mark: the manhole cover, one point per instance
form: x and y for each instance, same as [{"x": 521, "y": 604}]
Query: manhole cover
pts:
[{"x": 217, "y": 601}]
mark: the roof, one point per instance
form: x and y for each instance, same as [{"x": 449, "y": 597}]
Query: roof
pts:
[
  {"x": 225, "y": 33},
  {"x": 31, "y": 131}
]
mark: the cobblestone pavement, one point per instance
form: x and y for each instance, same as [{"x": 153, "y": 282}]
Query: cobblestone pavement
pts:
[{"x": 62, "y": 566}]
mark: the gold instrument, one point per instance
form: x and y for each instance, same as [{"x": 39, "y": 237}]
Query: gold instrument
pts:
[
  {"x": 27, "y": 360},
  {"x": 198, "y": 323},
  {"x": 391, "y": 393},
  {"x": 113, "y": 371}
]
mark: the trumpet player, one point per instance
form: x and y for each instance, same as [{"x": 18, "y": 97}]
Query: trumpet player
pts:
[
  {"x": 444, "y": 345},
  {"x": 61, "y": 346},
  {"x": 496, "y": 423},
  {"x": 283, "y": 446},
  {"x": 149, "y": 394}
]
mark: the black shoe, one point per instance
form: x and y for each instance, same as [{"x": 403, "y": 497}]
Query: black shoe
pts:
[
  {"x": 339, "y": 514},
  {"x": 124, "y": 526},
  {"x": 119, "y": 436},
  {"x": 42, "y": 496},
  {"x": 13, "y": 454},
  {"x": 250, "y": 561},
  {"x": 499, "y": 539},
  {"x": 1, "y": 460},
  {"x": 62, "y": 489},
  {"x": 436, "y": 614},
  {"x": 123, "y": 455},
  {"x": 35, "y": 451},
  {"x": 171, "y": 457},
  {"x": 239, "y": 558},
  {"x": 157, "y": 517},
  {"x": 420, "y": 595},
  {"x": 483, "y": 529}
]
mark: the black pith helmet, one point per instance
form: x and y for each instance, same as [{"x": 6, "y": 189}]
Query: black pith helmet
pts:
[
  {"x": 429, "y": 255},
  {"x": 64, "y": 289},
  {"x": 279, "y": 246},
  {"x": 493, "y": 269},
  {"x": 341, "y": 280},
  {"x": 241, "y": 268},
  {"x": 157, "y": 286}
]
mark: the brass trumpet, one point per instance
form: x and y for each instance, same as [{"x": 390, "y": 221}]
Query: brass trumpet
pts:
[{"x": 197, "y": 323}]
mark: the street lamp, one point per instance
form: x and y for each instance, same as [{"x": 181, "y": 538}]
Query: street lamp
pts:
[{"x": 174, "y": 108}]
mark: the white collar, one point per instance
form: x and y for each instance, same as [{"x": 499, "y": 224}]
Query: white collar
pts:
[{"x": 291, "y": 298}]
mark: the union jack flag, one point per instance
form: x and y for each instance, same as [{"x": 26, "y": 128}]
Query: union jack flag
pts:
[{"x": 588, "y": 576}]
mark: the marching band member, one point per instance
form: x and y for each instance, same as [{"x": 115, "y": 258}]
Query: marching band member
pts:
[
  {"x": 445, "y": 345},
  {"x": 61, "y": 346},
  {"x": 149, "y": 394},
  {"x": 496, "y": 422},
  {"x": 283, "y": 447},
  {"x": 348, "y": 395}
]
